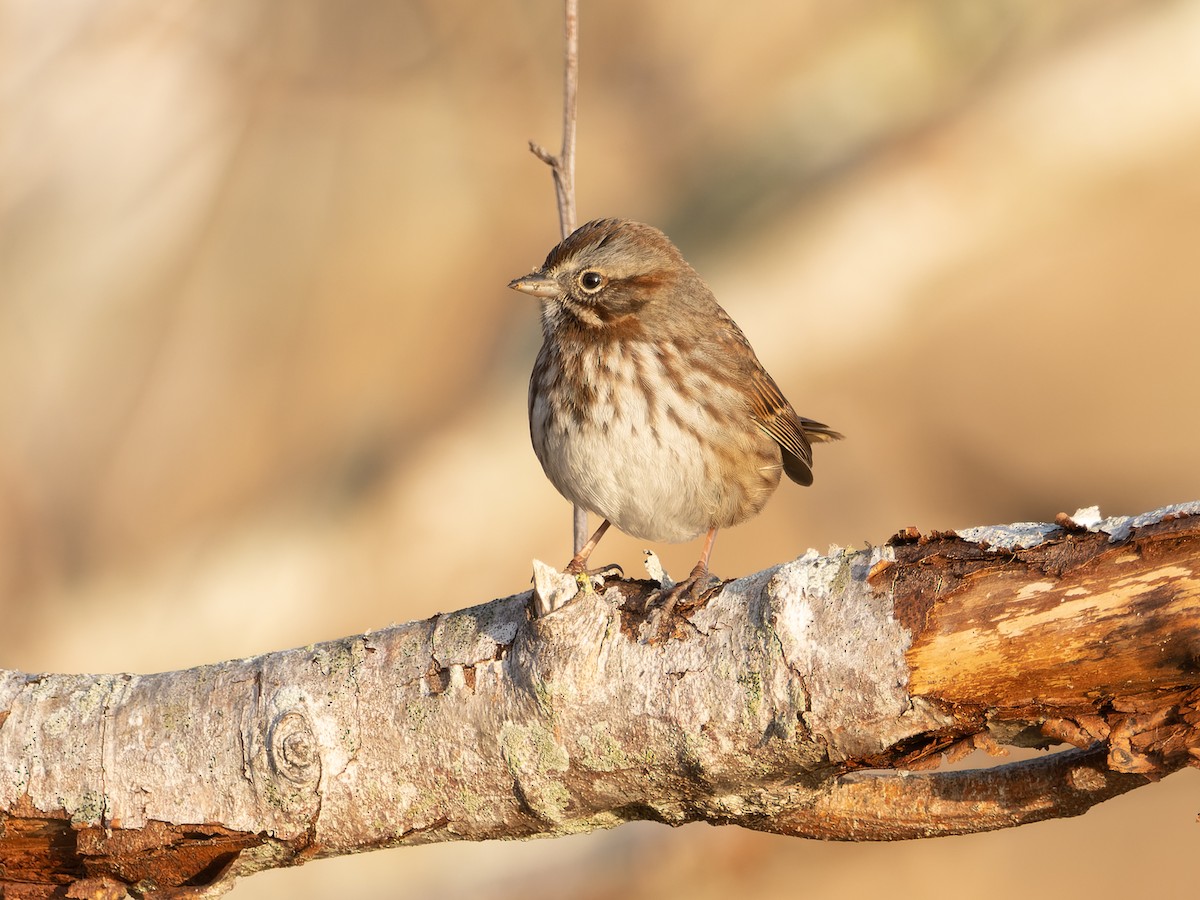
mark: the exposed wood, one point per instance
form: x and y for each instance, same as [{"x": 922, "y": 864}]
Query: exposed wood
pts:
[
  {"x": 765, "y": 706},
  {"x": 901, "y": 805}
]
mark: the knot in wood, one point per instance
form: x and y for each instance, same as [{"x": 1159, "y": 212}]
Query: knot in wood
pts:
[
  {"x": 1083, "y": 778},
  {"x": 294, "y": 753}
]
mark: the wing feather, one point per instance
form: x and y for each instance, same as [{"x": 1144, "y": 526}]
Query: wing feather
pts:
[
  {"x": 775, "y": 416},
  {"x": 773, "y": 413}
]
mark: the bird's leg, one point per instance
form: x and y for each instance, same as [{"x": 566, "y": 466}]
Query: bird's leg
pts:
[
  {"x": 698, "y": 577},
  {"x": 701, "y": 568},
  {"x": 578, "y": 564}
]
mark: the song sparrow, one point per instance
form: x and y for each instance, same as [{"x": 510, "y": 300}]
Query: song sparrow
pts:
[{"x": 647, "y": 405}]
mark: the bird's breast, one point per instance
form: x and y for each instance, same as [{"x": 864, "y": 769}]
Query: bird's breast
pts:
[{"x": 634, "y": 433}]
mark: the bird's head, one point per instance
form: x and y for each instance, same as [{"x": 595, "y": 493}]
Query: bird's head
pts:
[{"x": 605, "y": 273}]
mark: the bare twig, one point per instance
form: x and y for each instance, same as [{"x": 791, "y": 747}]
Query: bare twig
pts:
[
  {"x": 563, "y": 169},
  {"x": 563, "y": 165}
]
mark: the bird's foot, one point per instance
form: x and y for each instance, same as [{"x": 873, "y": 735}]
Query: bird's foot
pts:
[
  {"x": 584, "y": 576},
  {"x": 687, "y": 594},
  {"x": 553, "y": 589}
]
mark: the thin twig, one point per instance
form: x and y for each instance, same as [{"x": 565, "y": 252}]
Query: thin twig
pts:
[
  {"x": 563, "y": 165},
  {"x": 563, "y": 169}
]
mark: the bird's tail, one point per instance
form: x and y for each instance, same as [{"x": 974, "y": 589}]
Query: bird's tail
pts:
[{"x": 818, "y": 431}]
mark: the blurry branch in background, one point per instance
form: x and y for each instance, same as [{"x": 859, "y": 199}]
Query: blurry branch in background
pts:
[
  {"x": 802, "y": 700},
  {"x": 563, "y": 169},
  {"x": 563, "y": 165}
]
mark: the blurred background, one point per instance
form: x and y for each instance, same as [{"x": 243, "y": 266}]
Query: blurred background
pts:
[{"x": 261, "y": 383}]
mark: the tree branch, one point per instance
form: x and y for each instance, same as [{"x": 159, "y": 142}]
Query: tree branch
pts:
[
  {"x": 895, "y": 806},
  {"x": 563, "y": 165},
  {"x": 563, "y": 169},
  {"x": 769, "y": 704}
]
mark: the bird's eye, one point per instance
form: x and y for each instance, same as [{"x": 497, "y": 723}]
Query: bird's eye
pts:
[{"x": 591, "y": 281}]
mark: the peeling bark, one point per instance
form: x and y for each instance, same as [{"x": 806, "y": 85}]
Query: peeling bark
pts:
[{"x": 764, "y": 706}]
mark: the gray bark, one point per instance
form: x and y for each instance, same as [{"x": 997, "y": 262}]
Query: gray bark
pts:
[{"x": 757, "y": 706}]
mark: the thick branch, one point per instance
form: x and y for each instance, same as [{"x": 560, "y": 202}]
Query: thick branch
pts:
[{"x": 765, "y": 706}]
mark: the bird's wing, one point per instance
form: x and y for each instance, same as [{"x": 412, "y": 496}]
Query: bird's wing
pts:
[
  {"x": 771, "y": 410},
  {"x": 776, "y": 417}
]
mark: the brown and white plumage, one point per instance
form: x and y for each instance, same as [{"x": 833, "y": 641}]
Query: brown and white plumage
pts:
[{"x": 647, "y": 404}]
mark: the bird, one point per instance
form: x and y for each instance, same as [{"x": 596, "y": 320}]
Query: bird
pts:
[{"x": 647, "y": 405}]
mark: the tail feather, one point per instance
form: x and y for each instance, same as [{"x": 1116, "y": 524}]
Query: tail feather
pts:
[{"x": 818, "y": 431}]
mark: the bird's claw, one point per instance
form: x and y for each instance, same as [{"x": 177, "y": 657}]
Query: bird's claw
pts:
[
  {"x": 588, "y": 579},
  {"x": 692, "y": 590}
]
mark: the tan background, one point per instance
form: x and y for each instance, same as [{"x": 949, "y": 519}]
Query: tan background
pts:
[{"x": 261, "y": 383}]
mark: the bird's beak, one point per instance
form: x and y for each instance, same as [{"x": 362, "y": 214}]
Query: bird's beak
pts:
[{"x": 536, "y": 284}]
